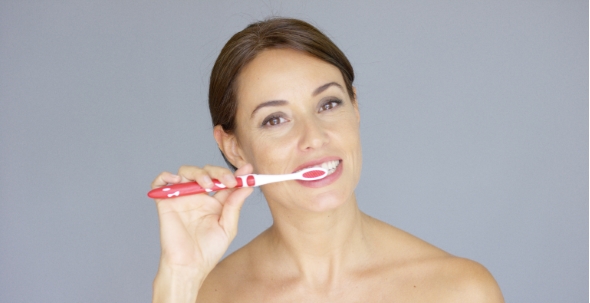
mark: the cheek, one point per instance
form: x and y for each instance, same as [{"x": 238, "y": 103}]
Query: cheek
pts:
[
  {"x": 270, "y": 155},
  {"x": 350, "y": 140},
  {"x": 347, "y": 129}
]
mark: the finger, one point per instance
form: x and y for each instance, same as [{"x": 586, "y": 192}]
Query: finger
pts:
[
  {"x": 222, "y": 174},
  {"x": 165, "y": 178},
  {"x": 190, "y": 173},
  {"x": 230, "y": 213},
  {"x": 204, "y": 175},
  {"x": 222, "y": 195}
]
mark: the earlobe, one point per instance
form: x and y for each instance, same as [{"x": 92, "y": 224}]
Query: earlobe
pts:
[{"x": 229, "y": 146}]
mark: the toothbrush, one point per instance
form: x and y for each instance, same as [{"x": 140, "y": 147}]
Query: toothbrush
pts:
[{"x": 252, "y": 180}]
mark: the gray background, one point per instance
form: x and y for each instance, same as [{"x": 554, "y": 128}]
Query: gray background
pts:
[{"x": 474, "y": 129}]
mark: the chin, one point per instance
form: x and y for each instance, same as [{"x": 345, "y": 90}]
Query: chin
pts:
[{"x": 329, "y": 201}]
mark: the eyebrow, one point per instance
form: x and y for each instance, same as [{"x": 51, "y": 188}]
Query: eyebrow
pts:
[
  {"x": 322, "y": 88},
  {"x": 269, "y": 103},
  {"x": 316, "y": 92}
]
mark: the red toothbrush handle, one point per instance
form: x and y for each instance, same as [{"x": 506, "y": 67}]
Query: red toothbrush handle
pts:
[
  {"x": 192, "y": 188},
  {"x": 184, "y": 189}
]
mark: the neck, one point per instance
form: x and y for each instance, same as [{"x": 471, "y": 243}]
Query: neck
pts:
[{"x": 319, "y": 245}]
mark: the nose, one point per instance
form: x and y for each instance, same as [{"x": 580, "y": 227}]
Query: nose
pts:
[{"x": 313, "y": 135}]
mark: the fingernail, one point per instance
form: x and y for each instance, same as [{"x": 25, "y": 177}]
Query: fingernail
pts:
[
  {"x": 208, "y": 181},
  {"x": 228, "y": 179}
]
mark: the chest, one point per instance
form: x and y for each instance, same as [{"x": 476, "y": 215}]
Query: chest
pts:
[{"x": 376, "y": 289}]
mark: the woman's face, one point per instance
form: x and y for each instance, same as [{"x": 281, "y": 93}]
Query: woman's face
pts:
[{"x": 294, "y": 112}]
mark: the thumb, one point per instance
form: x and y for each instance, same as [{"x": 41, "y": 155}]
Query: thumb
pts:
[
  {"x": 230, "y": 213},
  {"x": 244, "y": 170}
]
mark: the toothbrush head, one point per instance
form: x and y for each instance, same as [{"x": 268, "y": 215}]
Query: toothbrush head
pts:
[{"x": 315, "y": 173}]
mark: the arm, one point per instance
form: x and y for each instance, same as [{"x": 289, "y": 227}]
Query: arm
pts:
[{"x": 177, "y": 284}]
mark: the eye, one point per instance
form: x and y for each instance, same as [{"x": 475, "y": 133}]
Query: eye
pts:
[
  {"x": 330, "y": 104},
  {"x": 273, "y": 120}
]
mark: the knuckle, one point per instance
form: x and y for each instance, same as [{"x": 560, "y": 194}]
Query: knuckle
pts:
[
  {"x": 188, "y": 170},
  {"x": 184, "y": 168},
  {"x": 209, "y": 167},
  {"x": 215, "y": 170},
  {"x": 159, "y": 179}
]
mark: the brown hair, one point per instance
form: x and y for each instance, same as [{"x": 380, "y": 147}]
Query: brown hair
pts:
[{"x": 255, "y": 38}]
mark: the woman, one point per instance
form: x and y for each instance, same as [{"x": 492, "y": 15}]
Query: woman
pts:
[{"x": 281, "y": 99}]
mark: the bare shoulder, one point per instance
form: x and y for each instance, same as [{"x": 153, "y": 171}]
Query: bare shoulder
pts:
[
  {"x": 432, "y": 275},
  {"x": 465, "y": 280},
  {"x": 221, "y": 282}
]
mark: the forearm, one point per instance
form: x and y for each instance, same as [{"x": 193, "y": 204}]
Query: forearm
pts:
[{"x": 177, "y": 285}]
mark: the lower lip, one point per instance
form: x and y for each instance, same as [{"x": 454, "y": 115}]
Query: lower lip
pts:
[{"x": 325, "y": 181}]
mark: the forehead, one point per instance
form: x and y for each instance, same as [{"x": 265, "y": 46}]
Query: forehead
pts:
[{"x": 283, "y": 74}]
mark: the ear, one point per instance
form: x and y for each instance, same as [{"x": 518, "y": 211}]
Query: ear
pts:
[{"x": 229, "y": 146}]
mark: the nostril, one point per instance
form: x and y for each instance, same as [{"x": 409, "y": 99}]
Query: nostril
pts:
[{"x": 313, "y": 135}]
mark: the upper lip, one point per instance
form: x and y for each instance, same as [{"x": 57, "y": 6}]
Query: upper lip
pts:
[{"x": 316, "y": 162}]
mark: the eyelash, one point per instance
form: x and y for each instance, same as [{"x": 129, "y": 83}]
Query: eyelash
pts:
[
  {"x": 332, "y": 102},
  {"x": 274, "y": 117},
  {"x": 266, "y": 122}
]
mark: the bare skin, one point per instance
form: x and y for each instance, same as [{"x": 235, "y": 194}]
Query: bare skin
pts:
[
  {"x": 398, "y": 267},
  {"x": 294, "y": 112}
]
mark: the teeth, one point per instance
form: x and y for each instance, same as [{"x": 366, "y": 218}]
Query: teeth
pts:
[{"x": 330, "y": 166}]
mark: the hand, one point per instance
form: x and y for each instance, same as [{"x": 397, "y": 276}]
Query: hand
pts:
[{"x": 196, "y": 230}]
